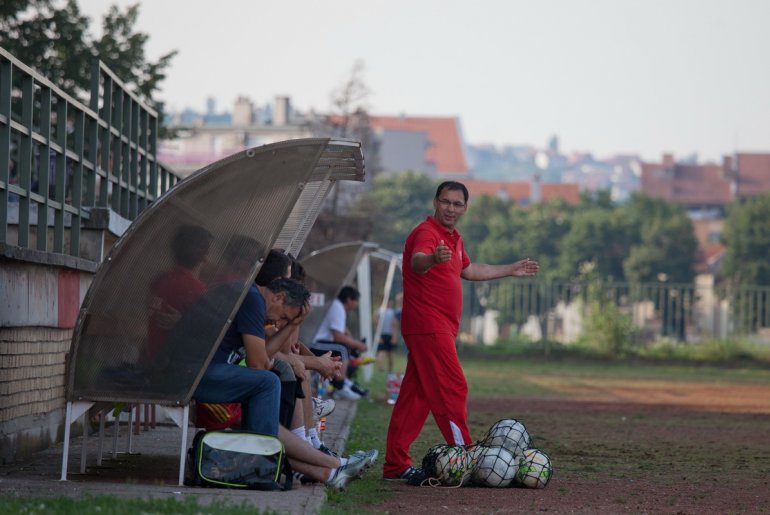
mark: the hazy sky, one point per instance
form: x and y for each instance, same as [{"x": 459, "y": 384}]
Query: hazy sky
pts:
[{"x": 606, "y": 76}]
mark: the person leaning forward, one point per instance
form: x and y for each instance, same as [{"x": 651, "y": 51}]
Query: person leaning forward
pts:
[
  {"x": 434, "y": 262},
  {"x": 283, "y": 302}
]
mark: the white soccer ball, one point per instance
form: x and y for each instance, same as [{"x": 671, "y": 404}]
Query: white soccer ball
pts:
[
  {"x": 452, "y": 466},
  {"x": 509, "y": 434},
  {"x": 495, "y": 467},
  {"x": 535, "y": 469}
]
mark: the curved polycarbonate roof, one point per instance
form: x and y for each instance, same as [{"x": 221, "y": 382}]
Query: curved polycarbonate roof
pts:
[
  {"x": 328, "y": 270},
  {"x": 161, "y": 301}
]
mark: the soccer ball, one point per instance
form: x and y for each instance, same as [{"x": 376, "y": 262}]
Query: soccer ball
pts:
[
  {"x": 509, "y": 434},
  {"x": 495, "y": 467},
  {"x": 452, "y": 466},
  {"x": 430, "y": 458},
  {"x": 535, "y": 469}
]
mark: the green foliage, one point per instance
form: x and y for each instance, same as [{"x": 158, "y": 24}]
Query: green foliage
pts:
[
  {"x": 709, "y": 351},
  {"x": 666, "y": 242},
  {"x": 606, "y": 328},
  {"x": 598, "y": 235},
  {"x": 395, "y": 204},
  {"x": 512, "y": 233},
  {"x": 53, "y": 39},
  {"x": 747, "y": 236}
]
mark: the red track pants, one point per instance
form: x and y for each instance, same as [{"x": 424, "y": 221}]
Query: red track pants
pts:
[{"x": 433, "y": 383}]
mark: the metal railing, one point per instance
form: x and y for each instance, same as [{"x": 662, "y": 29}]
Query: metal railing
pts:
[
  {"x": 683, "y": 312},
  {"x": 60, "y": 158}
]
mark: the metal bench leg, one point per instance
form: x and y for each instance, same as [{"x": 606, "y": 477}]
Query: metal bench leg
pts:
[
  {"x": 129, "y": 428},
  {"x": 183, "y": 450},
  {"x": 72, "y": 413},
  {"x": 83, "y": 447},
  {"x": 115, "y": 435},
  {"x": 100, "y": 453}
]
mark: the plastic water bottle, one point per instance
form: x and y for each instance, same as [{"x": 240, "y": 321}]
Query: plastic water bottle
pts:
[
  {"x": 392, "y": 387},
  {"x": 322, "y": 389},
  {"x": 321, "y": 428}
]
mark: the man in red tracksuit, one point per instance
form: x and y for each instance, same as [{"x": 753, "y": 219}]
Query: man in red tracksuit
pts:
[{"x": 434, "y": 260}]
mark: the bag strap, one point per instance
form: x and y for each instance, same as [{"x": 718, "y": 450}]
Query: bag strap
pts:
[{"x": 288, "y": 482}]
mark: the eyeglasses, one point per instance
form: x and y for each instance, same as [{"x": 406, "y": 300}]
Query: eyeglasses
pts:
[{"x": 446, "y": 203}]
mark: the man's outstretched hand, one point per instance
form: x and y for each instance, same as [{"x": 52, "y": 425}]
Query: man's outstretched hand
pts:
[{"x": 524, "y": 268}]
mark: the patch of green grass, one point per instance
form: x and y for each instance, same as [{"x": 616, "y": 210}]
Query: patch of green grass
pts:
[
  {"x": 528, "y": 375},
  {"x": 369, "y": 431},
  {"x": 109, "y": 505}
]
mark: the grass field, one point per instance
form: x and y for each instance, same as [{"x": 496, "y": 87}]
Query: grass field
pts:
[{"x": 622, "y": 437}]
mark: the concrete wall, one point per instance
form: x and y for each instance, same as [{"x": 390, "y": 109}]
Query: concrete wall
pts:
[{"x": 40, "y": 297}]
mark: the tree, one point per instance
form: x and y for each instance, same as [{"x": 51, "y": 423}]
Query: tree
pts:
[
  {"x": 395, "y": 205},
  {"x": 666, "y": 244},
  {"x": 747, "y": 236},
  {"x": 483, "y": 213},
  {"x": 53, "y": 40},
  {"x": 598, "y": 235},
  {"x": 498, "y": 231}
]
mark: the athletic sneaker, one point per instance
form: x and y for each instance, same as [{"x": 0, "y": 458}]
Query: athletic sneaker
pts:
[
  {"x": 411, "y": 476},
  {"x": 368, "y": 456},
  {"x": 322, "y": 407},
  {"x": 353, "y": 469},
  {"x": 346, "y": 393},
  {"x": 360, "y": 390}
]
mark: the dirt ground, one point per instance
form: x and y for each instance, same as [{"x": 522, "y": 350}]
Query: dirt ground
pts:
[{"x": 621, "y": 447}]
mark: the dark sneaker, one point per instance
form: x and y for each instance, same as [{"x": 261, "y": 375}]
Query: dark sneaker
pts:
[
  {"x": 360, "y": 390},
  {"x": 324, "y": 449},
  {"x": 411, "y": 476}
]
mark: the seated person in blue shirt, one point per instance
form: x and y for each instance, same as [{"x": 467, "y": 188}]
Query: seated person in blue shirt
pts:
[{"x": 258, "y": 390}]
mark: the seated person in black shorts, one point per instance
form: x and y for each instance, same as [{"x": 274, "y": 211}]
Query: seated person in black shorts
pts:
[{"x": 334, "y": 336}]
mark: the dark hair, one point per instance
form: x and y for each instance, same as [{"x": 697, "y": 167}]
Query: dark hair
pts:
[
  {"x": 348, "y": 292},
  {"x": 190, "y": 245},
  {"x": 240, "y": 247},
  {"x": 276, "y": 264},
  {"x": 296, "y": 293},
  {"x": 452, "y": 186},
  {"x": 298, "y": 271}
]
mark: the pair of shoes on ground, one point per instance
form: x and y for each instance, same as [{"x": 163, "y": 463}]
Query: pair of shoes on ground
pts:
[
  {"x": 346, "y": 393},
  {"x": 360, "y": 390},
  {"x": 411, "y": 476},
  {"x": 357, "y": 464},
  {"x": 323, "y": 407}
]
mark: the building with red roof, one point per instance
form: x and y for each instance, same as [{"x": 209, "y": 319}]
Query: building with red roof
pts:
[
  {"x": 523, "y": 192},
  {"x": 705, "y": 186}
]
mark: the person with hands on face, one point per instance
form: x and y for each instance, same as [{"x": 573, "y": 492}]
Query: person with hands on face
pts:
[
  {"x": 434, "y": 262},
  {"x": 257, "y": 389}
]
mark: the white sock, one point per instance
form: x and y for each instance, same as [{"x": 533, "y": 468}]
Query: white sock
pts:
[
  {"x": 348, "y": 382},
  {"x": 343, "y": 462},
  {"x": 299, "y": 431},
  {"x": 312, "y": 437}
]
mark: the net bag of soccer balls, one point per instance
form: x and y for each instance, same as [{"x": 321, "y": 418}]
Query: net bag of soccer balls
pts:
[
  {"x": 449, "y": 465},
  {"x": 504, "y": 457}
]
